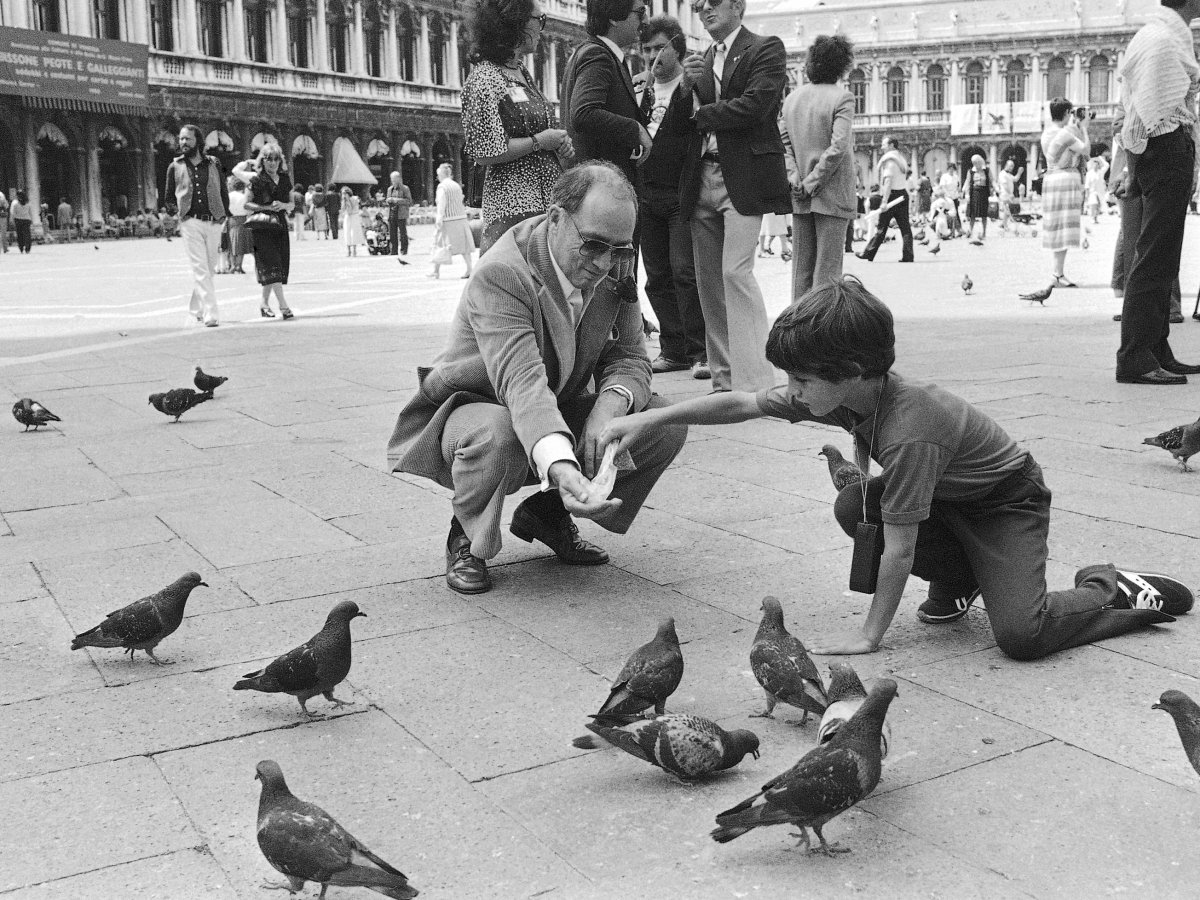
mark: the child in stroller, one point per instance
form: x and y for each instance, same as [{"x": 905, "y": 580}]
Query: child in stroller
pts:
[{"x": 378, "y": 243}]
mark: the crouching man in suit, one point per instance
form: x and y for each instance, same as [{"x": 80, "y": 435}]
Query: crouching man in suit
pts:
[{"x": 511, "y": 401}]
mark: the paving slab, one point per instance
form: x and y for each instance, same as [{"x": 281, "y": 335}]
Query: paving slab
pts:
[
  {"x": 79, "y": 540},
  {"x": 35, "y": 656},
  {"x": 125, "y": 809},
  {"x": 31, "y": 482},
  {"x": 19, "y": 582},
  {"x": 169, "y": 876}
]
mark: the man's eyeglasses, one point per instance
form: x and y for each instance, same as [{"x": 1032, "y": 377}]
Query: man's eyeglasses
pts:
[
  {"x": 594, "y": 249},
  {"x": 541, "y": 21},
  {"x": 698, "y": 5},
  {"x": 641, "y": 11}
]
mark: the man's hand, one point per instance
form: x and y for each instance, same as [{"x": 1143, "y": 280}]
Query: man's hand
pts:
[
  {"x": 848, "y": 643},
  {"x": 576, "y": 492},
  {"x": 566, "y": 150},
  {"x": 647, "y": 144},
  {"x": 694, "y": 70},
  {"x": 609, "y": 406}
]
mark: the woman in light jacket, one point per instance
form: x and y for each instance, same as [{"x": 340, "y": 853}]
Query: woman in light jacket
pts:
[{"x": 818, "y": 135}]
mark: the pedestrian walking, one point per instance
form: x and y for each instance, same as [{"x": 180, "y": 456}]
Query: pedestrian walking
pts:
[
  {"x": 299, "y": 213},
  {"x": 197, "y": 185},
  {"x": 21, "y": 213},
  {"x": 241, "y": 241},
  {"x": 891, "y": 170},
  {"x": 333, "y": 206},
  {"x": 977, "y": 188},
  {"x": 453, "y": 236},
  {"x": 271, "y": 199}
]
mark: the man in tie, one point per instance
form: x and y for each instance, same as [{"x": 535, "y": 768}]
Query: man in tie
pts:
[
  {"x": 733, "y": 173},
  {"x": 509, "y": 401}
]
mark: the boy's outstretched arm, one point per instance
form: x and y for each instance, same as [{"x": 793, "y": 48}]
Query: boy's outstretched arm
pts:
[
  {"x": 713, "y": 409},
  {"x": 899, "y": 546}
]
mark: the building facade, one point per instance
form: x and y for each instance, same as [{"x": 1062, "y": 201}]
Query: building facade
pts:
[{"x": 921, "y": 66}]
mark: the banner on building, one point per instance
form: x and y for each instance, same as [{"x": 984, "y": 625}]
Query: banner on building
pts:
[
  {"x": 65, "y": 67},
  {"x": 1026, "y": 117}
]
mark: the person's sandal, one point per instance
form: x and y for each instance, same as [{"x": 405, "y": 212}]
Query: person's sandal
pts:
[
  {"x": 1064, "y": 282},
  {"x": 287, "y": 313},
  {"x": 266, "y": 312}
]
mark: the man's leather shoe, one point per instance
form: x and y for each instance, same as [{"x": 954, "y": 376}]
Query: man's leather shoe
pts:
[
  {"x": 862, "y": 255},
  {"x": 465, "y": 572},
  {"x": 1175, "y": 367},
  {"x": 1156, "y": 376},
  {"x": 560, "y": 535}
]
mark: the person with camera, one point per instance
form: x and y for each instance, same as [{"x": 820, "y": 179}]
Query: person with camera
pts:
[{"x": 1064, "y": 143}]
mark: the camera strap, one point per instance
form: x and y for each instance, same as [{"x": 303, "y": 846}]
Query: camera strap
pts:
[{"x": 865, "y": 464}]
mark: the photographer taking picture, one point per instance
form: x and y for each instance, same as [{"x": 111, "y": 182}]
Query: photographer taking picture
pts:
[{"x": 1065, "y": 144}]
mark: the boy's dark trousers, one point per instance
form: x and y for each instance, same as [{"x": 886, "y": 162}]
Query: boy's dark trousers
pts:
[
  {"x": 899, "y": 212},
  {"x": 998, "y": 544}
]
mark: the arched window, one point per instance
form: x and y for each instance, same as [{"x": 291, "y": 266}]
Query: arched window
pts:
[
  {"x": 299, "y": 25},
  {"x": 106, "y": 15},
  {"x": 858, "y": 87},
  {"x": 373, "y": 40},
  {"x": 210, "y": 21},
  {"x": 974, "y": 82},
  {"x": 162, "y": 25},
  {"x": 338, "y": 33},
  {"x": 437, "y": 49},
  {"x": 406, "y": 44},
  {"x": 257, "y": 15},
  {"x": 1056, "y": 78},
  {"x": 1014, "y": 82},
  {"x": 1098, "y": 76},
  {"x": 897, "y": 97},
  {"x": 935, "y": 88},
  {"x": 47, "y": 15}
]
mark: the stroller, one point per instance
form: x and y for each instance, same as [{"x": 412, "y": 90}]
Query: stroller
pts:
[{"x": 378, "y": 240}]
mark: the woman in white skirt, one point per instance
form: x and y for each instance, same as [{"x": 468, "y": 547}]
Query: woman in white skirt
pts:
[
  {"x": 350, "y": 223},
  {"x": 1064, "y": 144},
  {"x": 774, "y": 226},
  {"x": 453, "y": 236}
]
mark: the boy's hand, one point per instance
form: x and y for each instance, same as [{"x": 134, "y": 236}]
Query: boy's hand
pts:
[
  {"x": 848, "y": 643},
  {"x": 610, "y": 407},
  {"x": 624, "y": 430}
]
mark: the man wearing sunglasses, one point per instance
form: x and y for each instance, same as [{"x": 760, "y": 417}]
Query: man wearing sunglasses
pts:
[
  {"x": 733, "y": 173},
  {"x": 545, "y": 349}
]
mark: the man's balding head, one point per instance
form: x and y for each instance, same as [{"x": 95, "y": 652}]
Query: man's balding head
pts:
[{"x": 591, "y": 202}]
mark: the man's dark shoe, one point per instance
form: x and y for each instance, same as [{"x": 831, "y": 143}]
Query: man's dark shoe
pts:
[
  {"x": 662, "y": 364},
  {"x": 1175, "y": 367},
  {"x": 1150, "y": 590},
  {"x": 1155, "y": 376},
  {"x": 465, "y": 572},
  {"x": 1176, "y": 319},
  {"x": 939, "y": 611},
  {"x": 559, "y": 534}
]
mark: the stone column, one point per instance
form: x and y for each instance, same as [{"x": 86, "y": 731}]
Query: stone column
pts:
[
  {"x": 139, "y": 23},
  {"x": 916, "y": 97},
  {"x": 1035, "y": 91},
  {"x": 427, "y": 142},
  {"x": 357, "y": 43},
  {"x": 552, "y": 83},
  {"x": 79, "y": 19},
  {"x": 237, "y": 32},
  {"x": 1076, "y": 92},
  {"x": 149, "y": 176},
  {"x": 424, "y": 75},
  {"x": 995, "y": 91},
  {"x": 875, "y": 101},
  {"x": 321, "y": 44},
  {"x": 993, "y": 156},
  {"x": 20, "y": 18},
  {"x": 281, "y": 34},
  {"x": 33, "y": 178},
  {"x": 1031, "y": 164},
  {"x": 391, "y": 59},
  {"x": 190, "y": 27},
  {"x": 92, "y": 178},
  {"x": 453, "y": 77}
]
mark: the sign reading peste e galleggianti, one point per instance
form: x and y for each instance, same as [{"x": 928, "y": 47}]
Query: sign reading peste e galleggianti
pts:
[{"x": 69, "y": 67}]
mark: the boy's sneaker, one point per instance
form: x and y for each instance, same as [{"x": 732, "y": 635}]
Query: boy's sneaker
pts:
[
  {"x": 1149, "y": 590},
  {"x": 939, "y": 611}
]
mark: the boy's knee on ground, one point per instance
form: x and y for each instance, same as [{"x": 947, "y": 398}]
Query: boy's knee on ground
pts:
[{"x": 1020, "y": 642}]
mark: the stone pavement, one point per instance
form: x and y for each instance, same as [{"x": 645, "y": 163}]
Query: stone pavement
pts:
[{"x": 1046, "y": 779}]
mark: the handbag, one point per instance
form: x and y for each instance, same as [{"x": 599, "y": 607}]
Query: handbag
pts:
[{"x": 263, "y": 221}]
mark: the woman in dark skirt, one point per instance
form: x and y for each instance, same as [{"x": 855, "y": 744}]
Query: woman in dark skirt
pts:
[
  {"x": 271, "y": 192},
  {"x": 977, "y": 188}
]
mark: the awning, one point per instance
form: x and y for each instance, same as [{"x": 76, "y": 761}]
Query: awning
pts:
[
  {"x": 409, "y": 148},
  {"x": 305, "y": 146},
  {"x": 261, "y": 139},
  {"x": 167, "y": 138},
  {"x": 348, "y": 167},
  {"x": 218, "y": 140},
  {"x": 377, "y": 148},
  {"x": 110, "y": 134},
  {"x": 113, "y": 109},
  {"x": 52, "y": 134}
]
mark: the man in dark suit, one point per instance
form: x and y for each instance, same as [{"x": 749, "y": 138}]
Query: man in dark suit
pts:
[
  {"x": 600, "y": 110},
  {"x": 510, "y": 402},
  {"x": 733, "y": 173}
]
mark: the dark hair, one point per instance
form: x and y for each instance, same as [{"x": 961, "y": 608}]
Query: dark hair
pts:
[
  {"x": 1173, "y": 4},
  {"x": 497, "y": 28},
  {"x": 1059, "y": 107},
  {"x": 602, "y": 13},
  {"x": 891, "y": 139},
  {"x": 950, "y": 166},
  {"x": 195, "y": 130},
  {"x": 838, "y": 330},
  {"x": 22, "y": 197},
  {"x": 829, "y": 58},
  {"x": 668, "y": 27},
  {"x": 574, "y": 184}
]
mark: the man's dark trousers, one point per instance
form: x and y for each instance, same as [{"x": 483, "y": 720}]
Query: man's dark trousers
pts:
[
  {"x": 398, "y": 234},
  {"x": 666, "y": 244},
  {"x": 1160, "y": 178},
  {"x": 899, "y": 212}
]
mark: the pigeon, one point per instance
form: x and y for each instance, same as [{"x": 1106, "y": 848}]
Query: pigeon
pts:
[
  {"x": 144, "y": 623},
  {"x": 684, "y": 745},
  {"x": 208, "y": 382},
  {"x": 647, "y": 679},
  {"x": 967, "y": 284},
  {"x": 1186, "y": 713},
  {"x": 1038, "y": 296},
  {"x": 843, "y": 472},
  {"x": 846, "y": 695},
  {"x": 934, "y": 251},
  {"x": 1182, "y": 441},
  {"x": 827, "y": 781},
  {"x": 315, "y": 667},
  {"x": 305, "y": 843},
  {"x": 32, "y": 414},
  {"x": 783, "y": 667},
  {"x": 178, "y": 401}
]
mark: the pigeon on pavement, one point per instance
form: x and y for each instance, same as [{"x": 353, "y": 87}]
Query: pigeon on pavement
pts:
[
  {"x": 686, "y": 746},
  {"x": 315, "y": 667},
  {"x": 1186, "y": 713},
  {"x": 206, "y": 382},
  {"x": 305, "y": 843},
  {"x": 32, "y": 414},
  {"x": 783, "y": 667},
  {"x": 647, "y": 679},
  {"x": 144, "y": 623},
  {"x": 827, "y": 781},
  {"x": 846, "y": 696},
  {"x": 843, "y": 472},
  {"x": 1182, "y": 441},
  {"x": 1038, "y": 296},
  {"x": 178, "y": 401},
  {"x": 967, "y": 284},
  {"x": 935, "y": 250}
]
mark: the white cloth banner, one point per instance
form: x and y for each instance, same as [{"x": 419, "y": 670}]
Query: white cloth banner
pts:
[{"x": 1026, "y": 117}]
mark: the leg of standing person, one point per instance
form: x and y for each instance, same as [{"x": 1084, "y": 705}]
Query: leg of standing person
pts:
[
  {"x": 393, "y": 233},
  {"x": 402, "y": 229},
  {"x": 212, "y": 246},
  {"x": 881, "y": 228},
  {"x": 804, "y": 253},
  {"x": 828, "y": 231},
  {"x": 655, "y": 246},
  {"x": 687, "y": 297},
  {"x": 906, "y": 235},
  {"x": 195, "y": 245}
]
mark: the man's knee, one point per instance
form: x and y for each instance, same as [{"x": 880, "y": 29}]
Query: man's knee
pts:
[{"x": 1020, "y": 643}]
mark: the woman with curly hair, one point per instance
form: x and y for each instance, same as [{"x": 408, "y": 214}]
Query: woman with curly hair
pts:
[
  {"x": 270, "y": 191},
  {"x": 510, "y": 127}
]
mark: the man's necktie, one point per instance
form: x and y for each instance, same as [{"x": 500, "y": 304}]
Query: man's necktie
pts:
[{"x": 719, "y": 64}]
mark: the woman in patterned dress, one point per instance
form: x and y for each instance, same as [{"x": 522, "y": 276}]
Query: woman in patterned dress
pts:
[
  {"x": 510, "y": 127},
  {"x": 1063, "y": 145},
  {"x": 271, "y": 192}
]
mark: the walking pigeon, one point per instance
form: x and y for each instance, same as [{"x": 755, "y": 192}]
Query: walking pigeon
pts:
[
  {"x": 315, "y": 667},
  {"x": 934, "y": 251},
  {"x": 843, "y": 472},
  {"x": 32, "y": 414},
  {"x": 686, "y": 746},
  {"x": 206, "y": 382},
  {"x": 1186, "y": 713},
  {"x": 1182, "y": 441},
  {"x": 846, "y": 696},
  {"x": 827, "y": 781},
  {"x": 1040, "y": 296},
  {"x": 144, "y": 623},
  {"x": 647, "y": 679},
  {"x": 178, "y": 401},
  {"x": 967, "y": 284},
  {"x": 783, "y": 667},
  {"x": 305, "y": 843}
]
